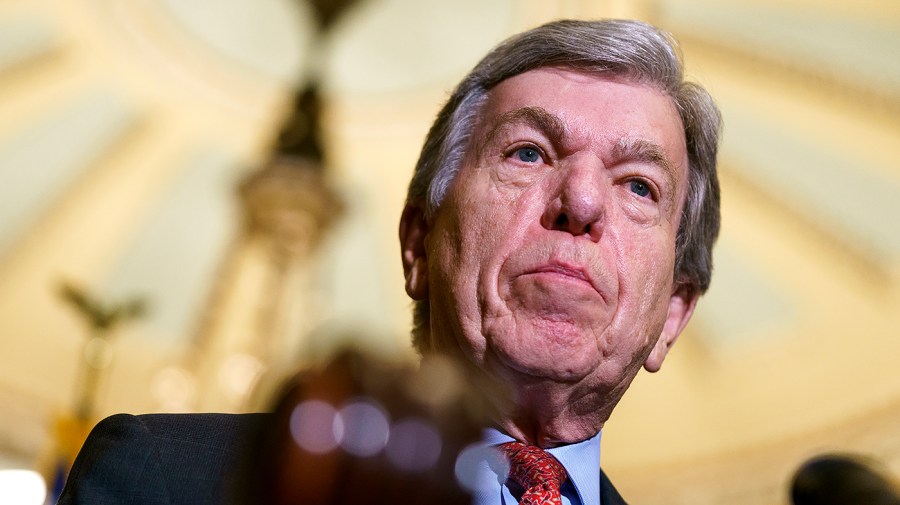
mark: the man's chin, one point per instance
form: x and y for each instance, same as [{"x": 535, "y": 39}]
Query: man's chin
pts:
[
  {"x": 555, "y": 370},
  {"x": 556, "y": 357}
]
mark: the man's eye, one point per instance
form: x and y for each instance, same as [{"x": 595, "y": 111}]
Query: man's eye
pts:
[
  {"x": 640, "y": 188},
  {"x": 528, "y": 154}
]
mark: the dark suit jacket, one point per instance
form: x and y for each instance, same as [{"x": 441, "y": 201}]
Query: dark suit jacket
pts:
[
  {"x": 608, "y": 493},
  {"x": 175, "y": 459},
  {"x": 161, "y": 459}
]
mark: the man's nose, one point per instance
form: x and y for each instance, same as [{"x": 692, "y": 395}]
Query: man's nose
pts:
[{"x": 579, "y": 202}]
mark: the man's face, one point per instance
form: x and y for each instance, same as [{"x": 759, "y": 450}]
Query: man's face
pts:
[{"x": 552, "y": 255}]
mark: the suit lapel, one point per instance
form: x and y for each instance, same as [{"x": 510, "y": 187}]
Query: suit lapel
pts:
[{"x": 608, "y": 493}]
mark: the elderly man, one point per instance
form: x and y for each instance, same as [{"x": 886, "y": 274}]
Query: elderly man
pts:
[
  {"x": 558, "y": 231},
  {"x": 557, "y": 235}
]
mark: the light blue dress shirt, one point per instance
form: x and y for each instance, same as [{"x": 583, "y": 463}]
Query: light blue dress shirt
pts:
[{"x": 581, "y": 460}]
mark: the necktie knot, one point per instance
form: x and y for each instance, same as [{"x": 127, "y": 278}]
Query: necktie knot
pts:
[{"x": 537, "y": 471}]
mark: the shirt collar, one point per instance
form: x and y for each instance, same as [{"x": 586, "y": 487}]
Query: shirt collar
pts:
[{"x": 581, "y": 460}]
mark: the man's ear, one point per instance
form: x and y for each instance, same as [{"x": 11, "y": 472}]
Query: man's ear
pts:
[
  {"x": 681, "y": 307},
  {"x": 413, "y": 229}
]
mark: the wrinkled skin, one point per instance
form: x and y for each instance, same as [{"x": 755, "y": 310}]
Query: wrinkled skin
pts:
[{"x": 549, "y": 265}]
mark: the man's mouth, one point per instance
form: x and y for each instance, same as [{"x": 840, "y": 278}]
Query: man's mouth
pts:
[
  {"x": 564, "y": 281},
  {"x": 569, "y": 274},
  {"x": 564, "y": 270}
]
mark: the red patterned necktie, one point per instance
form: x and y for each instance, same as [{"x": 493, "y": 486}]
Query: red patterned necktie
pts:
[{"x": 537, "y": 471}]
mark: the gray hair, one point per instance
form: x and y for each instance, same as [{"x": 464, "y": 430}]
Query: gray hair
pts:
[{"x": 631, "y": 50}]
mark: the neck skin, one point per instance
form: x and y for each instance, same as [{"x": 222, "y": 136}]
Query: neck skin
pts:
[
  {"x": 536, "y": 410},
  {"x": 547, "y": 414},
  {"x": 532, "y": 409}
]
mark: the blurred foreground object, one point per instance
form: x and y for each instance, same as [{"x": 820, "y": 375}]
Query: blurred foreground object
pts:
[
  {"x": 364, "y": 431},
  {"x": 841, "y": 479}
]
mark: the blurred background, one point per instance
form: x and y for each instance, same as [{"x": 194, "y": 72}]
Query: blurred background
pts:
[{"x": 197, "y": 195}]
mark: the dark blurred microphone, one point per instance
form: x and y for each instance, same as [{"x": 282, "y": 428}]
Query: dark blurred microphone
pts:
[
  {"x": 364, "y": 431},
  {"x": 834, "y": 479}
]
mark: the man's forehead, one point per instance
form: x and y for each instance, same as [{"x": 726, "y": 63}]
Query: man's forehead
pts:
[
  {"x": 647, "y": 122},
  {"x": 548, "y": 87},
  {"x": 574, "y": 75}
]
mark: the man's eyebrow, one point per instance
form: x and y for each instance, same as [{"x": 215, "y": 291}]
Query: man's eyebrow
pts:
[
  {"x": 645, "y": 151},
  {"x": 535, "y": 117}
]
